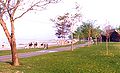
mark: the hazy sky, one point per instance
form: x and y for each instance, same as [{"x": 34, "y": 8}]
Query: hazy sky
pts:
[{"x": 38, "y": 26}]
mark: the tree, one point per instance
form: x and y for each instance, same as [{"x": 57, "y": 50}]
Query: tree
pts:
[
  {"x": 107, "y": 32},
  {"x": 64, "y": 23},
  {"x": 78, "y": 34},
  {"x": 87, "y": 30},
  {"x": 8, "y": 8},
  {"x": 118, "y": 29},
  {"x": 96, "y": 33}
]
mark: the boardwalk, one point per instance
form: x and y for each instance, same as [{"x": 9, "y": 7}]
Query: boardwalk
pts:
[{"x": 30, "y": 54}]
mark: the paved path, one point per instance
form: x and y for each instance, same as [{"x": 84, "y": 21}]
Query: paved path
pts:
[{"x": 25, "y": 55}]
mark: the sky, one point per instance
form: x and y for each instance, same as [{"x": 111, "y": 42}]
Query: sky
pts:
[{"x": 37, "y": 26}]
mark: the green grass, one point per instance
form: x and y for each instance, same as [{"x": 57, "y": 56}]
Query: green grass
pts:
[
  {"x": 79, "y": 42},
  {"x": 8, "y": 52},
  {"x": 84, "y": 60}
]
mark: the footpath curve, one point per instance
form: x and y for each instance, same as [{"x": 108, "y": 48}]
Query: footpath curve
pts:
[{"x": 41, "y": 52}]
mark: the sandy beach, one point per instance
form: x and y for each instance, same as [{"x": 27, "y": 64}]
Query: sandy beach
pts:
[{"x": 24, "y": 44}]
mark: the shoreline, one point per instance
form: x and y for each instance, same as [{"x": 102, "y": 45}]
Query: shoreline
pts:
[{"x": 40, "y": 44}]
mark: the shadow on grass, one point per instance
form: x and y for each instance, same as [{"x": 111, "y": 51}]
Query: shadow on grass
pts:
[{"x": 9, "y": 62}]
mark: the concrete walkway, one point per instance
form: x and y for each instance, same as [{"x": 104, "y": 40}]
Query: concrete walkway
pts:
[{"x": 30, "y": 54}]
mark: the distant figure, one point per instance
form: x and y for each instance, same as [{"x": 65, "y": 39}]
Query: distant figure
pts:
[
  {"x": 45, "y": 46},
  {"x": 35, "y": 45},
  {"x": 42, "y": 44},
  {"x": 2, "y": 45},
  {"x": 26, "y": 47},
  {"x": 30, "y": 45}
]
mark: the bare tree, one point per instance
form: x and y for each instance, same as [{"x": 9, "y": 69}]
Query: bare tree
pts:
[
  {"x": 8, "y": 8},
  {"x": 62, "y": 25},
  {"x": 107, "y": 31}
]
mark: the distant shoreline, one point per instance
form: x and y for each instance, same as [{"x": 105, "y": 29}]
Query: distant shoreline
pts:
[
  {"x": 7, "y": 47},
  {"x": 25, "y": 44}
]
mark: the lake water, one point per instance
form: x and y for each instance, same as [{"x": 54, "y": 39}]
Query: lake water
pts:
[{"x": 22, "y": 43}]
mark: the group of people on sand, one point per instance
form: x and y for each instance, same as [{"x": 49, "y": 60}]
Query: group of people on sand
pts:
[
  {"x": 33, "y": 44},
  {"x": 45, "y": 45},
  {"x": 37, "y": 45}
]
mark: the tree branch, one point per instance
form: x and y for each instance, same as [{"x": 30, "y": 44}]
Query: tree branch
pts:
[
  {"x": 15, "y": 7},
  {"x": 2, "y": 9},
  {"x": 5, "y": 29},
  {"x": 37, "y": 4}
]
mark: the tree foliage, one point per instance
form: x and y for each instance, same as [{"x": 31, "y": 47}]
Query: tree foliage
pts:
[
  {"x": 118, "y": 29},
  {"x": 64, "y": 23},
  {"x": 96, "y": 32},
  {"x": 87, "y": 29},
  {"x": 78, "y": 34}
]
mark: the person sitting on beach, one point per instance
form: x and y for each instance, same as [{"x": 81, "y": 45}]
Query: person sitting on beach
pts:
[
  {"x": 30, "y": 45},
  {"x": 45, "y": 46},
  {"x": 42, "y": 44},
  {"x": 35, "y": 45},
  {"x": 2, "y": 45}
]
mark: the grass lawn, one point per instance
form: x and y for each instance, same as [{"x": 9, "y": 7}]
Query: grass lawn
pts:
[
  {"x": 79, "y": 42},
  {"x": 8, "y": 52},
  {"x": 84, "y": 60}
]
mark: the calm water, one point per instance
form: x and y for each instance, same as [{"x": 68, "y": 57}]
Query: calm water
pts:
[{"x": 23, "y": 43}]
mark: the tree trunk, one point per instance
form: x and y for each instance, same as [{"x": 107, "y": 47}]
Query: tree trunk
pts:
[
  {"x": 72, "y": 42},
  {"x": 95, "y": 40},
  {"x": 89, "y": 38},
  {"x": 79, "y": 37},
  {"x": 11, "y": 40},
  {"x": 100, "y": 39},
  {"x": 107, "y": 45},
  {"x": 15, "y": 61}
]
